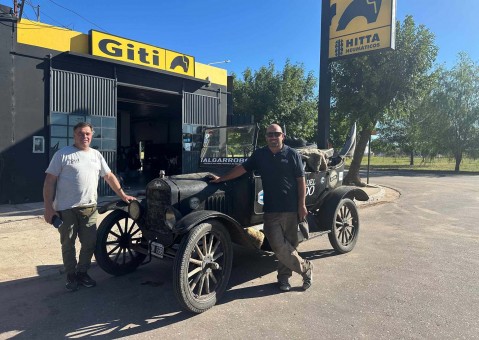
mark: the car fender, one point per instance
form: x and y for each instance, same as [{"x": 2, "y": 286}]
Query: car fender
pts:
[
  {"x": 328, "y": 205},
  {"x": 237, "y": 233},
  {"x": 118, "y": 204},
  {"x": 115, "y": 205}
]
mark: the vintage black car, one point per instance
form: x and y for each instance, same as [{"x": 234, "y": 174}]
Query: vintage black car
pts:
[{"x": 194, "y": 222}]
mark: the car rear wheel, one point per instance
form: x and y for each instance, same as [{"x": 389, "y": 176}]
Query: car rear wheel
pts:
[
  {"x": 345, "y": 226},
  {"x": 202, "y": 266},
  {"x": 116, "y": 234}
]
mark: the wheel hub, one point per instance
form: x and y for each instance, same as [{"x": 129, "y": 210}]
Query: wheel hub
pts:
[
  {"x": 124, "y": 240},
  {"x": 208, "y": 264}
]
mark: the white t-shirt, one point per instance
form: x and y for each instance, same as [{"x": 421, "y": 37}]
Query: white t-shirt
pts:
[{"x": 78, "y": 172}]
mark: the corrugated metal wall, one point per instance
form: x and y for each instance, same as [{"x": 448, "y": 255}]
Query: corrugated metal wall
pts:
[
  {"x": 75, "y": 92},
  {"x": 198, "y": 110},
  {"x": 201, "y": 110},
  {"x": 78, "y": 93}
]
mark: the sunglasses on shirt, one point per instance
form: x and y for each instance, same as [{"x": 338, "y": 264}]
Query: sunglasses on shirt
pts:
[{"x": 273, "y": 134}]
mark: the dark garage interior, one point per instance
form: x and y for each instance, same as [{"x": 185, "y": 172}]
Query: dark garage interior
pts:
[{"x": 149, "y": 134}]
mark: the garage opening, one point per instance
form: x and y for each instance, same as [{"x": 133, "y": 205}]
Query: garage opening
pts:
[{"x": 149, "y": 135}]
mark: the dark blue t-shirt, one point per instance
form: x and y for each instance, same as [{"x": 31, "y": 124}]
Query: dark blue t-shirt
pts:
[{"x": 279, "y": 173}]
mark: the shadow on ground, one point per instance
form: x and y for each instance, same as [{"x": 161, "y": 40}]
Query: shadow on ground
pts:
[{"x": 120, "y": 306}]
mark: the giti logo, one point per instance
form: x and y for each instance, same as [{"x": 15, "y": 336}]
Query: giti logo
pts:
[
  {"x": 130, "y": 51},
  {"x": 181, "y": 61},
  {"x": 368, "y": 9}
]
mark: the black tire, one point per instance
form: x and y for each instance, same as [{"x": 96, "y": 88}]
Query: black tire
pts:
[
  {"x": 115, "y": 236},
  {"x": 345, "y": 227},
  {"x": 202, "y": 266}
]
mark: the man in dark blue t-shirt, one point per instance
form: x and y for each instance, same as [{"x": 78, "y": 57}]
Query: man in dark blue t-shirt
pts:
[{"x": 284, "y": 189}]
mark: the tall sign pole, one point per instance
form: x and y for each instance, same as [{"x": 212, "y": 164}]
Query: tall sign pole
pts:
[{"x": 324, "y": 79}]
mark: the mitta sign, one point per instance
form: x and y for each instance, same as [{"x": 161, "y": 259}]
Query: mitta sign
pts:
[{"x": 134, "y": 52}]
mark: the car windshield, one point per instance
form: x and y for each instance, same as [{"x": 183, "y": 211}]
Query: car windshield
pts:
[{"x": 228, "y": 142}]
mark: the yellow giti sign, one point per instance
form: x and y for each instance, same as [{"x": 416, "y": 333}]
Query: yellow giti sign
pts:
[
  {"x": 130, "y": 51},
  {"x": 360, "y": 26}
]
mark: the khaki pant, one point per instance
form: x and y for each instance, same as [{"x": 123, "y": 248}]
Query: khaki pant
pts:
[
  {"x": 81, "y": 222},
  {"x": 281, "y": 229}
]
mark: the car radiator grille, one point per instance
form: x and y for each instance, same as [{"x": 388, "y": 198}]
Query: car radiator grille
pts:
[{"x": 158, "y": 196}]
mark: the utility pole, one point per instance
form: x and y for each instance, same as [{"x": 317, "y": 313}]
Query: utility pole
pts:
[
  {"x": 37, "y": 12},
  {"x": 21, "y": 10},
  {"x": 324, "y": 79}
]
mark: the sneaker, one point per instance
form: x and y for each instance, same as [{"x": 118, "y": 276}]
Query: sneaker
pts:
[
  {"x": 284, "y": 286},
  {"x": 85, "y": 280},
  {"x": 308, "y": 276},
  {"x": 72, "y": 282}
]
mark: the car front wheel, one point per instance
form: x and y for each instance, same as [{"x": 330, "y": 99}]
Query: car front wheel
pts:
[
  {"x": 202, "y": 266},
  {"x": 115, "y": 237}
]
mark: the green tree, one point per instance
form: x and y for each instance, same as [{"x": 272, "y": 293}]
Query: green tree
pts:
[
  {"x": 456, "y": 101},
  {"x": 380, "y": 146},
  {"x": 407, "y": 126},
  {"x": 366, "y": 89},
  {"x": 287, "y": 97}
]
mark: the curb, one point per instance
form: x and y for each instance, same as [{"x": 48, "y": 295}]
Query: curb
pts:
[
  {"x": 373, "y": 198},
  {"x": 377, "y": 196}
]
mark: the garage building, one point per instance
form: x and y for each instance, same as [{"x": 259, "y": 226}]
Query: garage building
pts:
[{"x": 148, "y": 104}]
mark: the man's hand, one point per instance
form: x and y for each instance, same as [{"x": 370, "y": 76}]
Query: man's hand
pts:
[
  {"x": 48, "y": 194},
  {"x": 302, "y": 212},
  {"x": 214, "y": 178},
  {"x": 234, "y": 173},
  {"x": 48, "y": 215},
  {"x": 127, "y": 198}
]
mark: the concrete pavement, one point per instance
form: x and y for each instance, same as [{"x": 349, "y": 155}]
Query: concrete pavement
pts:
[{"x": 30, "y": 246}]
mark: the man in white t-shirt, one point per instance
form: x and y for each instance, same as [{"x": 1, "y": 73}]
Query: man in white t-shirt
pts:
[{"x": 70, "y": 192}]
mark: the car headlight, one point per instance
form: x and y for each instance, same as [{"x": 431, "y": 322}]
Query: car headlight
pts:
[
  {"x": 170, "y": 217},
  {"x": 134, "y": 210}
]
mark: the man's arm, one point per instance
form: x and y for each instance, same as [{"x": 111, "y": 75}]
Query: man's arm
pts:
[
  {"x": 302, "y": 211},
  {"x": 49, "y": 186},
  {"x": 112, "y": 181},
  {"x": 234, "y": 173}
]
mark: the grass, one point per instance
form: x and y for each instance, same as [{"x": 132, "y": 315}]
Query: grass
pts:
[{"x": 436, "y": 164}]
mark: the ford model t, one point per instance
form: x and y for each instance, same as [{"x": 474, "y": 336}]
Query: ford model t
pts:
[{"x": 194, "y": 222}]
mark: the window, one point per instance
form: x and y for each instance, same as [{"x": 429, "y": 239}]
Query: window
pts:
[{"x": 61, "y": 131}]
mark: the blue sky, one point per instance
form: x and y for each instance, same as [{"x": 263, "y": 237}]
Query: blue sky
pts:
[{"x": 249, "y": 33}]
